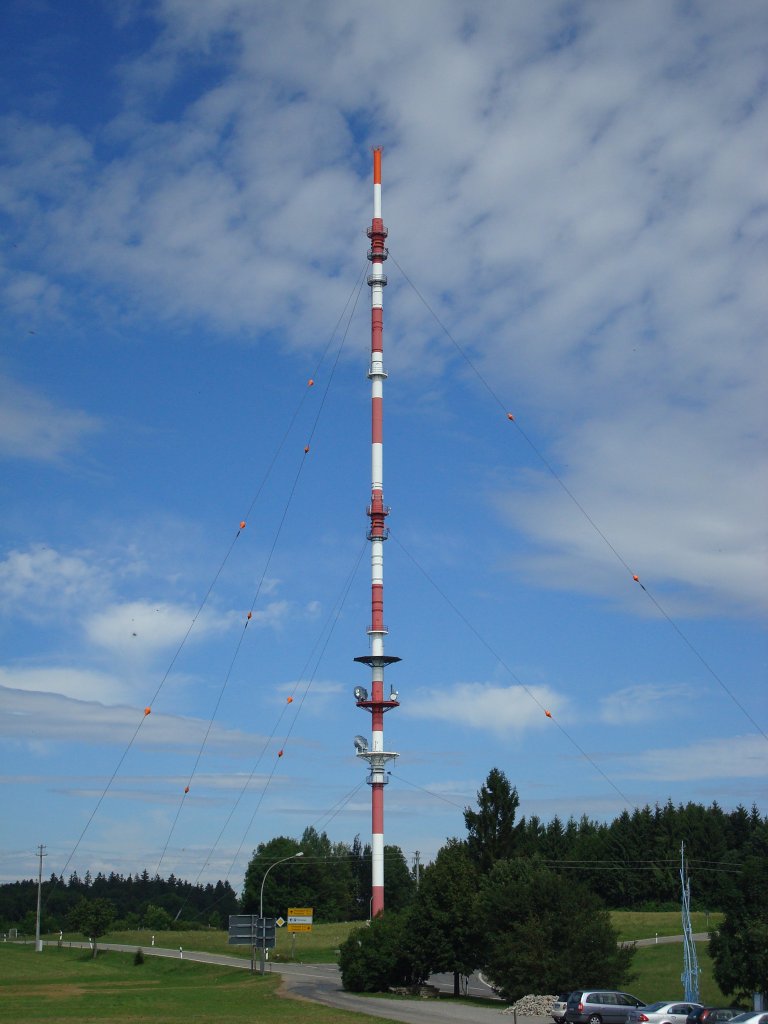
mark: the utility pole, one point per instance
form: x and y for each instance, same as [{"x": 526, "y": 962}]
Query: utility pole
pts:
[
  {"x": 38, "y": 940},
  {"x": 416, "y": 865}
]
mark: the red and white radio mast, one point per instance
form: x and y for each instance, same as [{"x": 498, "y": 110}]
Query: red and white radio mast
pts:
[{"x": 376, "y": 756}]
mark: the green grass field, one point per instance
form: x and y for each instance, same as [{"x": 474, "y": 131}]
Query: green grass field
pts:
[
  {"x": 320, "y": 945},
  {"x": 67, "y": 984},
  {"x": 61, "y": 985},
  {"x": 635, "y": 925},
  {"x": 658, "y": 970}
]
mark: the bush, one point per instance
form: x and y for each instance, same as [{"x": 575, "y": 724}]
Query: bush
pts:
[
  {"x": 138, "y": 957},
  {"x": 377, "y": 957}
]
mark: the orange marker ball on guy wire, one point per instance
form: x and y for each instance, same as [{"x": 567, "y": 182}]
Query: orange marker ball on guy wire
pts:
[
  {"x": 548, "y": 714},
  {"x": 310, "y": 383},
  {"x": 186, "y": 789},
  {"x": 289, "y": 700},
  {"x": 636, "y": 579},
  {"x": 280, "y": 753},
  {"x": 242, "y": 524},
  {"x": 510, "y": 417},
  {"x": 249, "y": 615},
  {"x": 147, "y": 711},
  {"x": 306, "y": 448}
]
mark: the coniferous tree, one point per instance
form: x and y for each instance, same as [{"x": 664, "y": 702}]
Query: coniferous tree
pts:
[{"x": 491, "y": 831}]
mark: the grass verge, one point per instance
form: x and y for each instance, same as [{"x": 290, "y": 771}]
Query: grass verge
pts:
[
  {"x": 632, "y": 924},
  {"x": 658, "y": 970},
  {"x": 63, "y": 985}
]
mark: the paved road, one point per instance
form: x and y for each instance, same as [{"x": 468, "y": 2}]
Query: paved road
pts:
[{"x": 665, "y": 939}]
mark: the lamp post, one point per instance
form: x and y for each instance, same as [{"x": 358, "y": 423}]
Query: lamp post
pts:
[{"x": 293, "y": 856}]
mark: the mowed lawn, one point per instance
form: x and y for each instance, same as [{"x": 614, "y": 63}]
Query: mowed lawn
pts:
[
  {"x": 66, "y": 984},
  {"x": 658, "y": 970},
  {"x": 632, "y": 924},
  {"x": 322, "y": 943}
]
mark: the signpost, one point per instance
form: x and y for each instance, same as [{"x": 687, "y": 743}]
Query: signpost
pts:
[
  {"x": 299, "y": 920},
  {"x": 252, "y": 930}
]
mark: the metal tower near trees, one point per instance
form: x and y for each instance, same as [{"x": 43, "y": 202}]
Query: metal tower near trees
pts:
[{"x": 690, "y": 975}]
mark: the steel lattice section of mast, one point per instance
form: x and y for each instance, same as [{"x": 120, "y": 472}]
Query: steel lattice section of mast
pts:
[
  {"x": 690, "y": 975},
  {"x": 376, "y": 756}
]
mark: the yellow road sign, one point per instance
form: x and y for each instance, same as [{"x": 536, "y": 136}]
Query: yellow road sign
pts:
[{"x": 299, "y": 919}]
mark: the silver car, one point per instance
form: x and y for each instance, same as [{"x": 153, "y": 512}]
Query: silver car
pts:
[
  {"x": 663, "y": 1013},
  {"x": 600, "y": 1006}
]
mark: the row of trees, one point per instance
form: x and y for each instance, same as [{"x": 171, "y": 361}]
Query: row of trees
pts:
[
  {"x": 494, "y": 902},
  {"x": 136, "y": 901},
  {"x": 332, "y": 878},
  {"x": 632, "y": 862}
]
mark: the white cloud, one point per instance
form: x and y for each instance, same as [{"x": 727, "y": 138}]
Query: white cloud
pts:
[
  {"x": 35, "y": 580},
  {"x": 32, "y": 427},
  {"x": 485, "y": 706},
  {"x": 274, "y": 615},
  {"x": 57, "y": 718},
  {"x": 727, "y": 757},
  {"x": 644, "y": 703},
  {"x": 587, "y": 176},
  {"x": 681, "y": 501},
  {"x": 142, "y": 627},
  {"x": 74, "y": 683}
]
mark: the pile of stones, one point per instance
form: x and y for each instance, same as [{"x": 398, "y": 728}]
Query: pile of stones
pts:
[{"x": 532, "y": 1006}]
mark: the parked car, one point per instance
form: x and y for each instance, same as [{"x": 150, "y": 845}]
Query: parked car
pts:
[
  {"x": 559, "y": 1007},
  {"x": 750, "y": 1017},
  {"x": 712, "y": 1015},
  {"x": 600, "y": 1006},
  {"x": 663, "y": 1013}
]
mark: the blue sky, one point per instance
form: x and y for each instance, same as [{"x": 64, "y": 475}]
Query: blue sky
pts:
[{"x": 576, "y": 203}]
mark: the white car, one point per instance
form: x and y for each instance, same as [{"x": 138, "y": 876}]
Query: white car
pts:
[
  {"x": 662, "y": 1013},
  {"x": 559, "y": 1007},
  {"x": 750, "y": 1017}
]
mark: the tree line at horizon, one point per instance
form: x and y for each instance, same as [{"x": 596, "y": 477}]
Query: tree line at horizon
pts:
[{"x": 632, "y": 863}]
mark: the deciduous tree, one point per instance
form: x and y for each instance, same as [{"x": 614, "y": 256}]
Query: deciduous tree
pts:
[
  {"x": 739, "y": 948},
  {"x": 545, "y": 933},
  {"x": 444, "y": 933},
  {"x": 92, "y": 918}
]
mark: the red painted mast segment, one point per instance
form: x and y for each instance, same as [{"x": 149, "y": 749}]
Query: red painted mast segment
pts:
[{"x": 376, "y": 756}]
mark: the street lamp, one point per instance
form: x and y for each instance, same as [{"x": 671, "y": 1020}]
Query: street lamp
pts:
[{"x": 261, "y": 903}]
